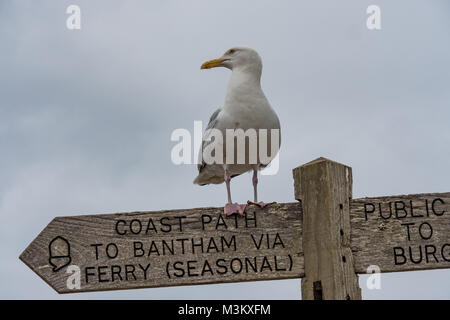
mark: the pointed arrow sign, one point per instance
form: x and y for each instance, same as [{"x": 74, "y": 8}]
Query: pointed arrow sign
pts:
[{"x": 168, "y": 248}]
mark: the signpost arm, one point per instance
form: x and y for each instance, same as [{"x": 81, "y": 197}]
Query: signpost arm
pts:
[{"x": 324, "y": 188}]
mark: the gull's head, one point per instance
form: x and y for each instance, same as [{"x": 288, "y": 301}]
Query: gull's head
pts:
[{"x": 236, "y": 58}]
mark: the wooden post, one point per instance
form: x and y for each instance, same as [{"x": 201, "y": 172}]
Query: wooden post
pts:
[{"x": 324, "y": 188}]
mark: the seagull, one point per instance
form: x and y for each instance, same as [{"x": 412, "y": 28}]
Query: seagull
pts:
[{"x": 246, "y": 107}]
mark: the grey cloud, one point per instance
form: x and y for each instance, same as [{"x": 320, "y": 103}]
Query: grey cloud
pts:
[{"x": 86, "y": 116}]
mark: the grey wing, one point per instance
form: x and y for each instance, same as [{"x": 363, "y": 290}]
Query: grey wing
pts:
[{"x": 212, "y": 123}]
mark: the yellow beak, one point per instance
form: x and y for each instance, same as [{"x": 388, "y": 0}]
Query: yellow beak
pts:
[{"x": 213, "y": 63}]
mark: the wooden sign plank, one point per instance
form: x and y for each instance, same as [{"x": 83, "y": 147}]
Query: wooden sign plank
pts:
[
  {"x": 401, "y": 233},
  {"x": 168, "y": 248}
]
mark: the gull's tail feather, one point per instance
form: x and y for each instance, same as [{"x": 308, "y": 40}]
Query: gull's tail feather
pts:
[{"x": 203, "y": 179}]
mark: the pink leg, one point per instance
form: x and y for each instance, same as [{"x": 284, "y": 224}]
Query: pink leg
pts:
[
  {"x": 255, "y": 191},
  {"x": 227, "y": 182},
  {"x": 255, "y": 185},
  {"x": 232, "y": 208}
]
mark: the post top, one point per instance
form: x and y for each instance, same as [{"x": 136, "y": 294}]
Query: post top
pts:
[{"x": 319, "y": 160}]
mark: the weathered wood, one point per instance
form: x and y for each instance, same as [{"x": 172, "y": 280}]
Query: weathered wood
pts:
[
  {"x": 324, "y": 188},
  {"x": 380, "y": 234},
  {"x": 217, "y": 249},
  {"x": 327, "y": 241}
]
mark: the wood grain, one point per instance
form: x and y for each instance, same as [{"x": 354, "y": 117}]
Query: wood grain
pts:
[
  {"x": 375, "y": 236},
  {"x": 325, "y": 188},
  {"x": 277, "y": 230}
]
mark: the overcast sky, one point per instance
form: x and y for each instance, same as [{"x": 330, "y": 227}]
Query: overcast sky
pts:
[{"x": 86, "y": 115}]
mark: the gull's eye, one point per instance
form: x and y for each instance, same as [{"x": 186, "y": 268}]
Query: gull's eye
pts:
[{"x": 231, "y": 51}]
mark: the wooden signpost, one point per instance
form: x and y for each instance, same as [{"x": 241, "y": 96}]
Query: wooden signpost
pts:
[{"x": 326, "y": 239}]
